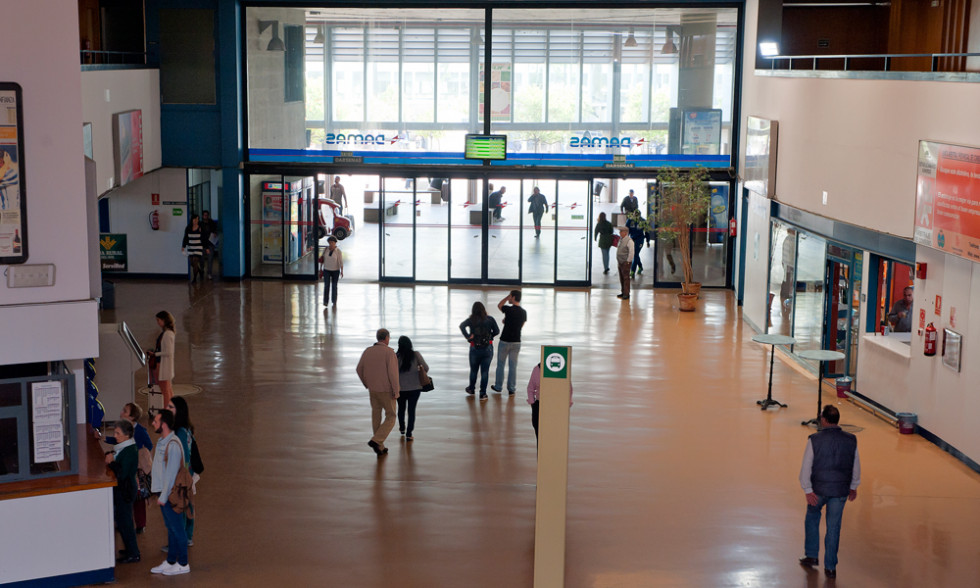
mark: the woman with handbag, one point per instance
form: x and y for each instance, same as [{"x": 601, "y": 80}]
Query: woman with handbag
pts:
[
  {"x": 164, "y": 353},
  {"x": 412, "y": 369},
  {"x": 185, "y": 432},
  {"x": 122, "y": 460}
]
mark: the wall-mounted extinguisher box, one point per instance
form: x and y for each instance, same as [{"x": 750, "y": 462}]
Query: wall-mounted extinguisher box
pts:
[{"x": 920, "y": 270}]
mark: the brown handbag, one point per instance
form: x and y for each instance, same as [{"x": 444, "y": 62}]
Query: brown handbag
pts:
[{"x": 182, "y": 493}]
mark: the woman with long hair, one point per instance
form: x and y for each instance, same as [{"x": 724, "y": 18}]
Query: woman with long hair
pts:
[
  {"x": 604, "y": 234},
  {"x": 164, "y": 354},
  {"x": 479, "y": 329},
  {"x": 409, "y": 385}
]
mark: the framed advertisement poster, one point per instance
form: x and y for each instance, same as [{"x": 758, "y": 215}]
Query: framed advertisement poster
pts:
[
  {"x": 701, "y": 131},
  {"x": 13, "y": 196},
  {"x": 127, "y": 144},
  {"x": 947, "y": 199},
  {"x": 952, "y": 349}
]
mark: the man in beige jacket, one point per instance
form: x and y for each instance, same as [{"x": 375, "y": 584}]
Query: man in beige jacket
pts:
[{"x": 378, "y": 371}]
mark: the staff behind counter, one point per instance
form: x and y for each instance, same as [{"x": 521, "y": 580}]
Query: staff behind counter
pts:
[{"x": 900, "y": 317}]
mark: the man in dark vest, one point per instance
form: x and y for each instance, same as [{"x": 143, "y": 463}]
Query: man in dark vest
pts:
[{"x": 830, "y": 476}]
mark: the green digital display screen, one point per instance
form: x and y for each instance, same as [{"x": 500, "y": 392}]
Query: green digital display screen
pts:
[{"x": 486, "y": 147}]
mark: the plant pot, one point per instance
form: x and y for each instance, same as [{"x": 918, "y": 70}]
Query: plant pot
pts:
[
  {"x": 692, "y": 288},
  {"x": 687, "y": 302}
]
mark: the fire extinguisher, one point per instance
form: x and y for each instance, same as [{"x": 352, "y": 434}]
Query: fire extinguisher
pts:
[
  {"x": 155, "y": 220},
  {"x": 931, "y": 338},
  {"x": 732, "y": 228}
]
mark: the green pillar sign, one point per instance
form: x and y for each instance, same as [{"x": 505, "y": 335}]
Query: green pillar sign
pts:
[{"x": 555, "y": 362}]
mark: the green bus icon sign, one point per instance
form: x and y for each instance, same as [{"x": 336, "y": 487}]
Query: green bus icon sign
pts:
[{"x": 555, "y": 362}]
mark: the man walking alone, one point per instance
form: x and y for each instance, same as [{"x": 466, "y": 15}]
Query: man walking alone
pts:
[
  {"x": 510, "y": 340},
  {"x": 830, "y": 475},
  {"x": 378, "y": 371},
  {"x": 624, "y": 256}
]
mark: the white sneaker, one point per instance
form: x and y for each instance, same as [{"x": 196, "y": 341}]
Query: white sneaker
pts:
[
  {"x": 164, "y": 567},
  {"x": 177, "y": 570}
]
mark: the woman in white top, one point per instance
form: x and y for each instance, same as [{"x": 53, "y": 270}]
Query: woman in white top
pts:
[
  {"x": 164, "y": 352},
  {"x": 333, "y": 269}
]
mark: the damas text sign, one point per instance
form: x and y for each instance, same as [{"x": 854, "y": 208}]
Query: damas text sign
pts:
[
  {"x": 947, "y": 199},
  {"x": 555, "y": 363}
]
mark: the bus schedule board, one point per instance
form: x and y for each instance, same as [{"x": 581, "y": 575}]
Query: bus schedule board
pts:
[
  {"x": 490, "y": 147},
  {"x": 947, "y": 199}
]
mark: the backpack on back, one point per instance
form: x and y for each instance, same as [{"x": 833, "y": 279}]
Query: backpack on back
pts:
[{"x": 481, "y": 335}]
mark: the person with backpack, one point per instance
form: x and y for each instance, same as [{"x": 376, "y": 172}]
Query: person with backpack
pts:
[
  {"x": 479, "y": 329},
  {"x": 167, "y": 463},
  {"x": 132, "y": 414}
]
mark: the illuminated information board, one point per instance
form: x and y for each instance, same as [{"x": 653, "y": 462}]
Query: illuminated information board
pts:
[{"x": 486, "y": 147}]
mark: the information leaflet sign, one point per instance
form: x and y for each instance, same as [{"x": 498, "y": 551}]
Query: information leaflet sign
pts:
[
  {"x": 13, "y": 205},
  {"x": 947, "y": 199}
]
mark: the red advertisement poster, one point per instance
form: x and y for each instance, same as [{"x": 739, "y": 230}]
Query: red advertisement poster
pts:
[
  {"x": 127, "y": 130},
  {"x": 947, "y": 201}
]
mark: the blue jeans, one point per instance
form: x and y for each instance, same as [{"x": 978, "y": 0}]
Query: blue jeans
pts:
[
  {"x": 835, "y": 512},
  {"x": 480, "y": 360},
  {"x": 330, "y": 279},
  {"x": 637, "y": 250},
  {"x": 507, "y": 353},
  {"x": 605, "y": 258},
  {"x": 176, "y": 535},
  {"x": 407, "y": 400}
]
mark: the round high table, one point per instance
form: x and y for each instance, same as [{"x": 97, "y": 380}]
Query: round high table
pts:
[
  {"x": 821, "y": 356},
  {"x": 772, "y": 339}
]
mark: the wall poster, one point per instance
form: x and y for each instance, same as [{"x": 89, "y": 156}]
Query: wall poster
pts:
[
  {"x": 500, "y": 91},
  {"x": 701, "y": 131},
  {"x": 127, "y": 145},
  {"x": 761, "y": 146},
  {"x": 947, "y": 199},
  {"x": 13, "y": 196}
]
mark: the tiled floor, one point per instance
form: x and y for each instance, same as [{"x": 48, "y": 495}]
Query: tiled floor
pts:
[{"x": 675, "y": 476}]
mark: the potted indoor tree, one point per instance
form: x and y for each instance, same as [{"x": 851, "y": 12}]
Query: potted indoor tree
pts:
[{"x": 683, "y": 201}]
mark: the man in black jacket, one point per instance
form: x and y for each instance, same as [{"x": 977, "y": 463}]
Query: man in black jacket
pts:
[{"x": 830, "y": 475}]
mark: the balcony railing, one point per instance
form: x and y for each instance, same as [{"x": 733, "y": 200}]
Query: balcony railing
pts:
[
  {"x": 99, "y": 59},
  {"x": 906, "y": 62}
]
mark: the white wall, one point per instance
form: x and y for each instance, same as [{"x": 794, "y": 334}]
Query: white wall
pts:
[
  {"x": 105, "y": 93},
  {"x": 858, "y": 140},
  {"x": 56, "y": 534},
  {"x": 54, "y": 179},
  {"x": 152, "y": 252}
]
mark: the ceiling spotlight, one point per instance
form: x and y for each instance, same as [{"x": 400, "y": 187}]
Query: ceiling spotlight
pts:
[
  {"x": 769, "y": 49},
  {"x": 276, "y": 43},
  {"x": 630, "y": 40}
]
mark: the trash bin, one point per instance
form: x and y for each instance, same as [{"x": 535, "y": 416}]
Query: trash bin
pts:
[
  {"x": 906, "y": 422},
  {"x": 843, "y": 387},
  {"x": 108, "y": 295}
]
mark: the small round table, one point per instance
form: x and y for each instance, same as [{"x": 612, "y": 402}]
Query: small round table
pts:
[
  {"x": 821, "y": 356},
  {"x": 772, "y": 339}
]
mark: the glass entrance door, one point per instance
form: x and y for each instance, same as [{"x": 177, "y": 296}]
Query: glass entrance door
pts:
[
  {"x": 396, "y": 216},
  {"x": 572, "y": 211},
  {"x": 504, "y": 203}
]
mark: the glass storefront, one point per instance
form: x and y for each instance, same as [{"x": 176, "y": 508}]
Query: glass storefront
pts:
[{"x": 569, "y": 87}]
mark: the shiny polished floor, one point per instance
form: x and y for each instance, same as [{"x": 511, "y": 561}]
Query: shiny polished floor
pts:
[{"x": 676, "y": 478}]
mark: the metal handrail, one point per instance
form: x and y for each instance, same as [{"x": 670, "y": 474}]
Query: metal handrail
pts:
[
  {"x": 848, "y": 57},
  {"x": 92, "y": 57}
]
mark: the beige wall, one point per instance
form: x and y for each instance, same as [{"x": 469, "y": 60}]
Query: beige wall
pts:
[
  {"x": 105, "y": 93},
  {"x": 54, "y": 180},
  {"x": 272, "y": 122},
  {"x": 858, "y": 139}
]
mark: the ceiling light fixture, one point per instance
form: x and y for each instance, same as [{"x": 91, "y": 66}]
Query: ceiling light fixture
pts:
[
  {"x": 318, "y": 39},
  {"x": 631, "y": 39},
  {"x": 669, "y": 48},
  {"x": 276, "y": 43}
]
